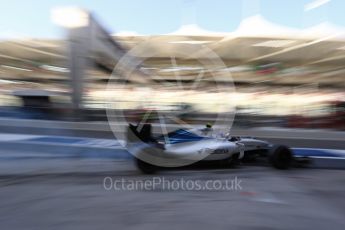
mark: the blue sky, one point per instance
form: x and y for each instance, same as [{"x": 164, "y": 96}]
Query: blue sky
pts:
[{"x": 32, "y": 17}]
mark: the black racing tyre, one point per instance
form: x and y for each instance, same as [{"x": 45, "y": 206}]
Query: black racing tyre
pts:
[
  {"x": 146, "y": 167},
  {"x": 281, "y": 157}
]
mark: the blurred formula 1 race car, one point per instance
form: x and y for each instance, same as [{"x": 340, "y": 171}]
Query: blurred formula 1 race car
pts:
[{"x": 189, "y": 144}]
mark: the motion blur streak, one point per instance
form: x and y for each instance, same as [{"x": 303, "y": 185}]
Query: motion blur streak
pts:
[{"x": 67, "y": 99}]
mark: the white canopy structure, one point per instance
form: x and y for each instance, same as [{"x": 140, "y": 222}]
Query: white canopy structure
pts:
[
  {"x": 319, "y": 51},
  {"x": 195, "y": 30},
  {"x": 258, "y": 27}
]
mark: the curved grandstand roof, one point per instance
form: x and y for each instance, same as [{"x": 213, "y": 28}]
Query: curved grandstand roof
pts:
[{"x": 256, "y": 41}]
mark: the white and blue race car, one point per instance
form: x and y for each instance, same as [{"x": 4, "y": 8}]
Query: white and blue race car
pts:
[{"x": 184, "y": 147}]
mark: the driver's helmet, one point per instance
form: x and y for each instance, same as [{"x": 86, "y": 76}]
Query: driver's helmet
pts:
[{"x": 208, "y": 125}]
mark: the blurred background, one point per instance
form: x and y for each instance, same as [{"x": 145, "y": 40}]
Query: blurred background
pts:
[
  {"x": 286, "y": 73},
  {"x": 270, "y": 69}
]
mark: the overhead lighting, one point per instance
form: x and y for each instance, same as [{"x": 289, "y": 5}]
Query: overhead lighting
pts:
[
  {"x": 275, "y": 43},
  {"x": 237, "y": 69},
  {"x": 181, "y": 68},
  {"x": 55, "y": 68},
  {"x": 70, "y": 17},
  {"x": 148, "y": 68},
  {"x": 15, "y": 68},
  {"x": 6, "y": 81}
]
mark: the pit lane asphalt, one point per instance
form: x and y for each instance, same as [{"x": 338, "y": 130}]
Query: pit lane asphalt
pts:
[{"x": 69, "y": 194}]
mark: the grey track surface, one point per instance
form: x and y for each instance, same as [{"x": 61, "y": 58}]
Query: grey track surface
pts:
[
  {"x": 69, "y": 194},
  {"x": 40, "y": 192}
]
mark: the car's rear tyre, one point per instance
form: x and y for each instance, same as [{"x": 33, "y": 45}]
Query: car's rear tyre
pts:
[
  {"x": 146, "y": 167},
  {"x": 281, "y": 157}
]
